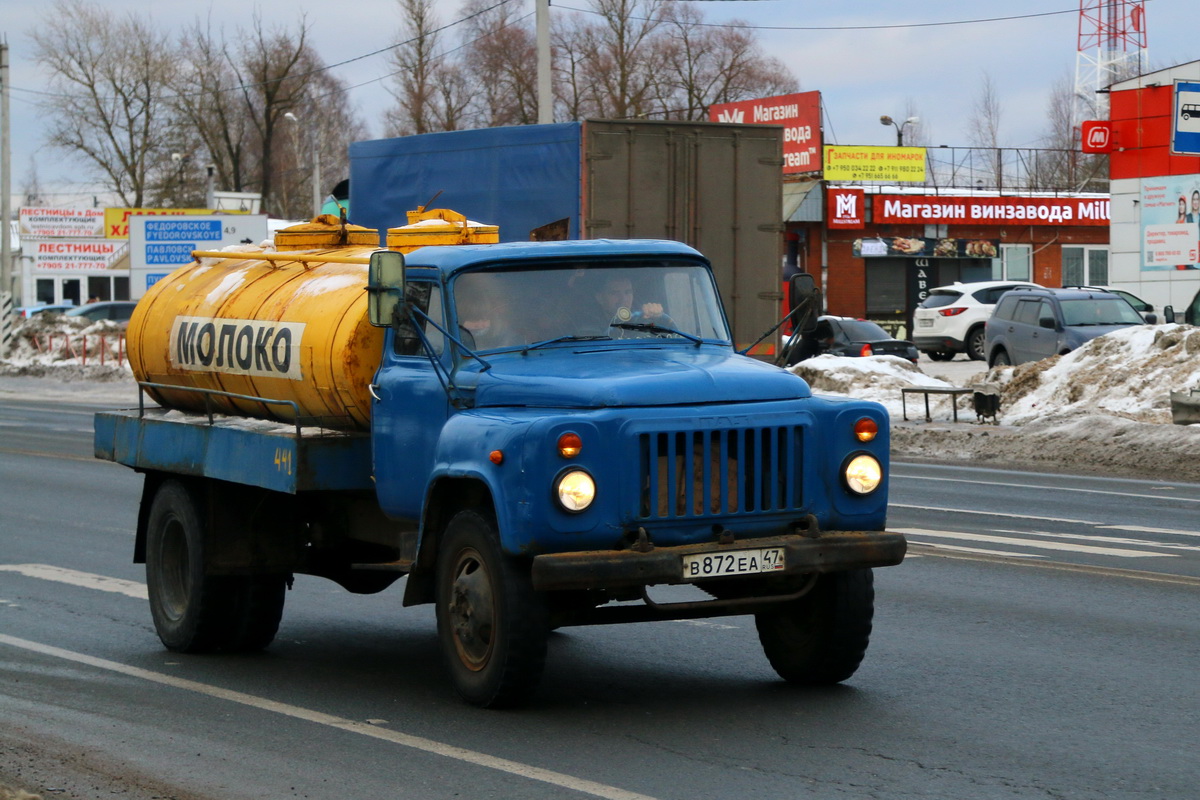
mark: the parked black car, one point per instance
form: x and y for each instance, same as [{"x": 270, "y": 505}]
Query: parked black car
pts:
[{"x": 846, "y": 336}]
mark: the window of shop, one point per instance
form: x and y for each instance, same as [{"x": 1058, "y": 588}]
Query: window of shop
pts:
[
  {"x": 1014, "y": 264},
  {"x": 1084, "y": 266}
]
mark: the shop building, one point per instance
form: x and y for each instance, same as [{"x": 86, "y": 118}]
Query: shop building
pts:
[{"x": 1153, "y": 137}]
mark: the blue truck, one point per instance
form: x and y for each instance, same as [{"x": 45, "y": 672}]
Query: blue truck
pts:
[{"x": 557, "y": 431}]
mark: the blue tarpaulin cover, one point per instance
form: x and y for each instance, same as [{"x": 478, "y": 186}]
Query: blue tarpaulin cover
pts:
[{"x": 537, "y": 167}]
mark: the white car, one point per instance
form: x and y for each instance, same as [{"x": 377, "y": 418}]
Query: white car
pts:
[{"x": 951, "y": 318}]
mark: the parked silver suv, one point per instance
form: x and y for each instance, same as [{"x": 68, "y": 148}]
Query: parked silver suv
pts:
[
  {"x": 1032, "y": 324},
  {"x": 950, "y": 319}
]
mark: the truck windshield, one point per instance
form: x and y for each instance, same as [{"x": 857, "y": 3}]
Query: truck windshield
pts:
[{"x": 631, "y": 300}]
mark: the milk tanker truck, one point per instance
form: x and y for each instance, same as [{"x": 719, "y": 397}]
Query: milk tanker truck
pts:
[{"x": 536, "y": 435}]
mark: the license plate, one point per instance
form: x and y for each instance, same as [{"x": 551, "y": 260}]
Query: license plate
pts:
[
  {"x": 925, "y": 323},
  {"x": 734, "y": 562}
]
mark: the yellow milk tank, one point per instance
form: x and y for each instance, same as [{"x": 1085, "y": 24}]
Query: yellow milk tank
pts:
[{"x": 288, "y": 325}]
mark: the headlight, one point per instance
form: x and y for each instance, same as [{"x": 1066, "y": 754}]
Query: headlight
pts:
[
  {"x": 576, "y": 490},
  {"x": 863, "y": 474}
]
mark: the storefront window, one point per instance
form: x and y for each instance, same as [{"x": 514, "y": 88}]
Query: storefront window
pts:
[
  {"x": 1014, "y": 264},
  {"x": 1084, "y": 266}
]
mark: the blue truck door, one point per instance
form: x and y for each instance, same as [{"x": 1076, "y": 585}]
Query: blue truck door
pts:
[{"x": 408, "y": 415}]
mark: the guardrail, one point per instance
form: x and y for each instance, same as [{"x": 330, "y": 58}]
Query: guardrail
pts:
[{"x": 102, "y": 348}]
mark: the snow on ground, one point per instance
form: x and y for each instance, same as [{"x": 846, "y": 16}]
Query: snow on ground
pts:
[{"x": 1102, "y": 409}]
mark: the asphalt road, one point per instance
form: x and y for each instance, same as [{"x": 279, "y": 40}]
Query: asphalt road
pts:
[{"x": 1041, "y": 642}]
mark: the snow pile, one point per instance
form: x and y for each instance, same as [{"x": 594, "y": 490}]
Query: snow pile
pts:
[
  {"x": 1129, "y": 373},
  {"x": 1104, "y": 408},
  {"x": 878, "y": 378},
  {"x": 67, "y": 348}
]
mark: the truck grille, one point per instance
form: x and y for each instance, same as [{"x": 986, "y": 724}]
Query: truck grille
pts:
[{"x": 719, "y": 472}]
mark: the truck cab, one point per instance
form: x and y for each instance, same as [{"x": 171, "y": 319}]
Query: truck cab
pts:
[{"x": 581, "y": 405}]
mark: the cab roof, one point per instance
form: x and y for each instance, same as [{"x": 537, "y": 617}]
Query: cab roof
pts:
[{"x": 450, "y": 259}]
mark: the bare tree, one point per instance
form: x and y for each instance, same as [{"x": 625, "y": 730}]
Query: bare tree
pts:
[
  {"x": 110, "y": 76},
  {"x": 622, "y": 71},
  {"x": 983, "y": 127},
  {"x": 1062, "y": 164},
  {"x": 416, "y": 68},
  {"x": 702, "y": 65},
  {"x": 496, "y": 61},
  {"x": 273, "y": 69}
]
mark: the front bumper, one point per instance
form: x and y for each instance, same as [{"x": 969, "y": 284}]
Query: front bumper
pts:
[{"x": 619, "y": 569}]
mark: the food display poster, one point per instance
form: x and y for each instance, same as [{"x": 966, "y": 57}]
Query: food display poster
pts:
[
  {"x": 1170, "y": 223},
  {"x": 919, "y": 247}
]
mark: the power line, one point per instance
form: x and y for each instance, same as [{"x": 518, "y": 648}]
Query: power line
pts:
[
  {"x": 318, "y": 70},
  {"x": 892, "y": 26}
]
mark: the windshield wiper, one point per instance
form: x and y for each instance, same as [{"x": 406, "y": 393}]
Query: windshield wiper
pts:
[
  {"x": 653, "y": 327},
  {"x": 556, "y": 340}
]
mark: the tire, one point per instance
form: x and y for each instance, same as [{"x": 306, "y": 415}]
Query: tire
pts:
[
  {"x": 821, "y": 638},
  {"x": 977, "y": 344},
  {"x": 194, "y": 612},
  {"x": 492, "y": 625},
  {"x": 1000, "y": 359},
  {"x": 940, "y": 355}
]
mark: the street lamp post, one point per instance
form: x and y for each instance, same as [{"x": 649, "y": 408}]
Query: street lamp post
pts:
[
  {"x": 315, "y": 135},
  {"x": 899, "y": 126}
]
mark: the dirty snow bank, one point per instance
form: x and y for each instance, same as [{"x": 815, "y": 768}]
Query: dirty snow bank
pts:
[{"x": 1102, "y": 409}]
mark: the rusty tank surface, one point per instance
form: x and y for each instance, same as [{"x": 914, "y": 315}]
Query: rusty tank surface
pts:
[{"x": 287, "y": 325}]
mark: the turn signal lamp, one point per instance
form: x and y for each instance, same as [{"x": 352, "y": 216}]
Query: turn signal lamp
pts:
[
  {"x": 496, "y": 457},
  {"x": 866, "y": 429},
  {"x": 866, "y": 351},
  {"x": 569, "y": 445}
]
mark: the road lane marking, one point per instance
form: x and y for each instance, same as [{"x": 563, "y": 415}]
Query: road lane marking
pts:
[
  {"x": 1042, "y": 488},
  {"x": 1039, "y": 519},
  {"x": 1037, "y": 544},
  {"x": 958, "y": 548},
  {"x": 1144, "y": 529},
  {"x": 570, "y": 782},
  {"x": 1106, "y": 539},
  {"x": 87, "y": 580}
]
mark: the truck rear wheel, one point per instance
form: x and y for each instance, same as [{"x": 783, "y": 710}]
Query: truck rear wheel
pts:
[
  {"x": 821, "y": 638},
  {"x": 492, "y": 625},
  {"x": 194, "y": 612}
]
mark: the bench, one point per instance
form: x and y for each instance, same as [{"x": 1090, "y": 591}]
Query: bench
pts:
[{"x": 953, "y": 391}]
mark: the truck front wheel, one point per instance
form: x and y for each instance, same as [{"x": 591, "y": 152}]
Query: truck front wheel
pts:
[
  {"x": 195, "y": 612},
  {"x": 821, "y": 638},
  {"x": 491, "y": 624}
]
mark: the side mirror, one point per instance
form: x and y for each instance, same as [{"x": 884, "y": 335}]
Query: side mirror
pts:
[
  {"x": 385, "y": 287},
  {"x": 1151, "y": 319},
  {"x": 1046, "y": 322},
  {"x": 1168, "y": 314},
  {"x": 803, "y": 290}
]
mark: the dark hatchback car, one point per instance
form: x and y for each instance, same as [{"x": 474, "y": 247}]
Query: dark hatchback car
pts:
[
  {"x": 116, "y": 310},
  {"x": 1032, "y": 324},
  {"x": 846, "y": 336}
]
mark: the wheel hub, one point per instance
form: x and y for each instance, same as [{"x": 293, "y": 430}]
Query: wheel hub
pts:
[{"x": 472, "y": 611}]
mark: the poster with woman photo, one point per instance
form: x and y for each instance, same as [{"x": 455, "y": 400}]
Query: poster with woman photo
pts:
[{"x": 1171, "y": 223}]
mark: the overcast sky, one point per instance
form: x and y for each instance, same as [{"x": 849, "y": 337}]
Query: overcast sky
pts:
[{"x": 873, "y": 57}]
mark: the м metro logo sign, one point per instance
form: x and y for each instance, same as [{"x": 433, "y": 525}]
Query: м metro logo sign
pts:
[
  {"x": 1097, "y": 136},
  {"x": 800, "y": 116}
]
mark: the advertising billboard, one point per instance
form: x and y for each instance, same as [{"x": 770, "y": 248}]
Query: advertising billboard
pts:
[
  {"x": 1170, "y": 223},
  {"x": 800, "y": 116}
]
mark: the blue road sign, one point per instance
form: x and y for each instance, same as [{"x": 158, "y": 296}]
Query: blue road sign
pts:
[{"x": 1185, "y": 126}]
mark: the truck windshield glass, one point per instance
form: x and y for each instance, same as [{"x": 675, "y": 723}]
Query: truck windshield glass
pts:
[{"x": 635, "y": 300}]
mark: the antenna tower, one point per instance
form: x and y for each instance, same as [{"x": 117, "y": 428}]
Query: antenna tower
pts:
[{"x": 1112, "y": 47}]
